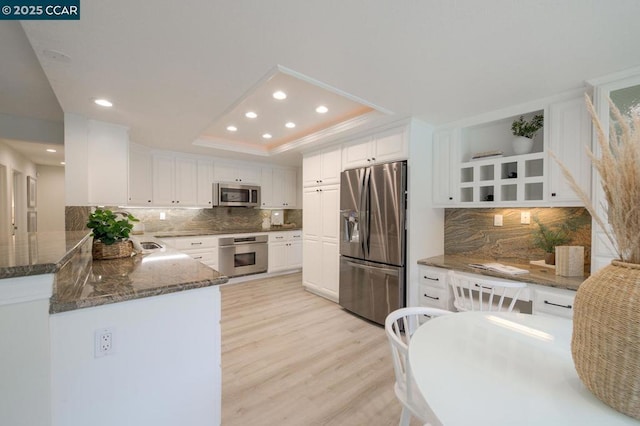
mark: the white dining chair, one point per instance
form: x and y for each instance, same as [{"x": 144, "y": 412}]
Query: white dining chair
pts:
[
  {"x": 400, "y": 326},
  {"x": 477, "y": 294}
]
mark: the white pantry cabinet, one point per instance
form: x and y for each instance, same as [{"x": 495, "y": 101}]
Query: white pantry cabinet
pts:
[
  {"x": 390, "y": 145},
  {"x": 140, "y": 175},
  {"x": 321, "y": 167},
  {"x": 231, "y": 172},
  {"x": 285, "y": 251},
  {"x": 174, "y": 180},
  {"x": 321, "y": 257}
]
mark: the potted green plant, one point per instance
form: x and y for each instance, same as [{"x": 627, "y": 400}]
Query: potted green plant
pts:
[
  {"x": 524, "y": 132},
  {"x": 111, "y": 233},
  {"x": 547, "y": 239}
]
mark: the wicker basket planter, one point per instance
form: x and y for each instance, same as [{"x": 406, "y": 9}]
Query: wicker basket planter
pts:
[
  {"x": 606, "y": 336},
  {"x": 116, "y": 250}
]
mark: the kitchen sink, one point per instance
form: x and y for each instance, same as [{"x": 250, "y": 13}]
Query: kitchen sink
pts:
[{"x": 150, "y": 245}]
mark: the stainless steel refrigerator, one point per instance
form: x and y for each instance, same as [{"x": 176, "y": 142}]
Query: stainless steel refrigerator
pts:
[{"x": 372, "y": 240}]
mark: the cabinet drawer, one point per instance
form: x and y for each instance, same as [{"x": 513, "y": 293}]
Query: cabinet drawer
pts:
[
  {"x": 434, "y": 297},
  {"x": 193, "y": 242},
  {"x": 554, "y": 302},
  {"x": 434, "y": 277},
  {"x": 276, "y": 237}
]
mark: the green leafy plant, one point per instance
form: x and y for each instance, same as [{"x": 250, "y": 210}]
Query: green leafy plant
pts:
[
  {"x": 528, "y": 129},
  {"x": 547, "y": 238},
  {"x": 110, "y": 227}
]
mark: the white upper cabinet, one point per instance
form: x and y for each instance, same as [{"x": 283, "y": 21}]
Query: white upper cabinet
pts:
[
  {"x": 174, "y": 180},
  {"x": 279, "y": 188},
  {"x": 205, "y": 183},
  {"x": 266, "y": 187},
  {"x": 140, "y": 175},
  {"x": 384, "y": 147},
  {"x": 243, "y": 174},
  {"x": 569, "y": 138},
  {"x": 108, "y": 154},
  {"x": 445, "y": 167},
  {"x": 321, "y": 167},
  {"x": 485, "y": 171},
  {"x": 285, "y": 188}
]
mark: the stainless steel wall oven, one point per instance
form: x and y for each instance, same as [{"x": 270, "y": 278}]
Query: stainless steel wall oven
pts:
[{"x": 243, "y": 255}]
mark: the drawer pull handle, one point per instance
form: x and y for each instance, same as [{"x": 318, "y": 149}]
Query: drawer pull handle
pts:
[
  {"x": 486, "y": 288},
  {"x": 546, "y": 302},
  {"x": 431, "y": 297},
  {"x": 196, "y": 244},
  {"x": 432, "y": 279},
  {"x": 197, "y": 257}
]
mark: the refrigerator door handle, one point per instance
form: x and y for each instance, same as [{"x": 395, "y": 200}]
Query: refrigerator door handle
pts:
[
  {"x": 366, "y": 190},
  {"x": 387, "y": 271},
  {"x": 364, "y": 230}
]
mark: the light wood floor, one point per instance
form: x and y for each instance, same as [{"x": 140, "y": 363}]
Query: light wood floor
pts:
[{"x": 292, "y": 358}]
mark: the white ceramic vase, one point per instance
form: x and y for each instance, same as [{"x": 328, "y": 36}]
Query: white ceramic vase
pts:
[{"x": 522, "y": 145}]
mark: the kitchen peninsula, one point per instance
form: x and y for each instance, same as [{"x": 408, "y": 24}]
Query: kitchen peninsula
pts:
[{"x": 161, "y": 310}]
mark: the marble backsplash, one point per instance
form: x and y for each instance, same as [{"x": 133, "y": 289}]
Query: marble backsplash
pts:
[
  {"x": 216, "y": 219},
  {"x": 471, "y": 232}
]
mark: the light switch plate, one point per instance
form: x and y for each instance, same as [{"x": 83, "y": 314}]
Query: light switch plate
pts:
[
  {"x": 525, "y": 218},
  {"x": 497, "y": 220}
]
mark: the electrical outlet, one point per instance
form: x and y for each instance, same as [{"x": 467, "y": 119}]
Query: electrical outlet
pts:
[
  {"x": 163, "y": 216},
  {"x": 525, "y": 218},
  {"x": 497, "y": 220},
  {"x": 103, "y": 342}
]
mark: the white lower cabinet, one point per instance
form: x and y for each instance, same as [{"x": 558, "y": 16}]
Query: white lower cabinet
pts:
[
  {"x": 203, "y": 248},
  {"x": 434, "y": 288},
  {"x": 285, "y": 251},
  {"x": 552, "y": 301},
  {"x": 435, "y": 292}
]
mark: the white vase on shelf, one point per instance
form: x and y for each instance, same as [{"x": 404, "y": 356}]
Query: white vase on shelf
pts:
[{"x": 522, "y": 145}]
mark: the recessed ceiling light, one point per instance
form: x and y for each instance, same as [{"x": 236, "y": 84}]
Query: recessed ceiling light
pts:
[
  {"x": 322, "y": 109},
  {"x": 279, "y": 95},
  {"x": 290, "y": 125},
  {"x": 103, "y": 102},
  {"x": 251, "y": 114},
  {"x": 232, "y": 128},
  {"x": 267, "y": 136},
  {"x": 51, "y": 150}
]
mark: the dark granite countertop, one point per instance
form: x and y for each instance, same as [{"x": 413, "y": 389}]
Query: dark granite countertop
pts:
[
  {"x": 37, "y": 253},
  {"x": 150, "y": 273},
  {"x": 537, "y": 274},
  {"x": 81, "y": 282}
]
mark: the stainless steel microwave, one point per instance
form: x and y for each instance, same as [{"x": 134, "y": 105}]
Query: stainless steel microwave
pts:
[{"x": 235, "y": 195}]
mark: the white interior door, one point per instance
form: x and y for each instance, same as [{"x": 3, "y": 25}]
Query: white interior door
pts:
[{"x": 19, "y": 203}]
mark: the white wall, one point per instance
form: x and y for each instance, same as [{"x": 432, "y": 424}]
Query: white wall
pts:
[
  {"x": 425, "y": 223},
  {"x": 51, "y": 198},
  {"x": 165, "y": 370},
  {"x": 25, "y": 383}
]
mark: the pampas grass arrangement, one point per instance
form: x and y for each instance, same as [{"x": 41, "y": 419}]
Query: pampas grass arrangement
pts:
[{"x": 619, "y": 169}]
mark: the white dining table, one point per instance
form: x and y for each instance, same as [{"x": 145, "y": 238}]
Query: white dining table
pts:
[{"x": 482, "y": 368}]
